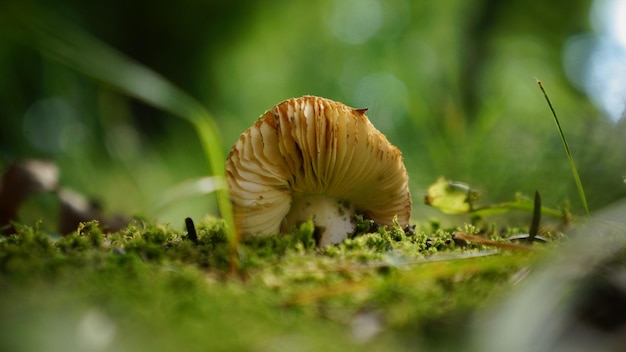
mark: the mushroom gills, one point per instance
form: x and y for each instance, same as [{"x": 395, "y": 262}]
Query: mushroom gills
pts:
[
  {"x": 325, "y": 160},
  {"x": 334, "y": 218}
]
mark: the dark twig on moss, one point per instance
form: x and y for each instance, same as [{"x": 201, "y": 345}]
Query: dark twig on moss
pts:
[
  {"x": 534, "y": 225},
  {"x": 191, "y": 230}
]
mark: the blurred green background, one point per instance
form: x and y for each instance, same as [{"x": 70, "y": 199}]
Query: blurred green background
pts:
[{"x": 451, "y": 83}]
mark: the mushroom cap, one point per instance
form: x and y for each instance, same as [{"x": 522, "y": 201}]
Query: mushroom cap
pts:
[{"x": 311, "y": 146}]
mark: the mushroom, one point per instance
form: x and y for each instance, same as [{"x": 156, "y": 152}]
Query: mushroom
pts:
[{"x": 314, "y": 158}]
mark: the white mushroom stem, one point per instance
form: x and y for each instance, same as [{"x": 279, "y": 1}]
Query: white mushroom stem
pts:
[{"x": 334, "y": 219}]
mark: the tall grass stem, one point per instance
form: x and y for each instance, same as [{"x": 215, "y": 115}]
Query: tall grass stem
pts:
[{"x": 579, "y": 184}]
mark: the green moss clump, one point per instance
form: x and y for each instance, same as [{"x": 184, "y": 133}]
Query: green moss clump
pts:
[
  {"x": 88, "y": 236},
  {"x": 164, "y": 291}
]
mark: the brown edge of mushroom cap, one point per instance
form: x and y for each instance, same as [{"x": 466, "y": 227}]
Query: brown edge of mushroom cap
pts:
[{"x": 314, "y": 146}]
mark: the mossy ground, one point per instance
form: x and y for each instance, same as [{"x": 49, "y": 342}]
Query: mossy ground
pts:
[{"x": 149, "y": 287}]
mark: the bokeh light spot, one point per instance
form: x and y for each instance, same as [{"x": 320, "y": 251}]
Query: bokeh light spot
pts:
[
  {"x": 355, "y": 21},
  {"x": 53, "y": 126},
  {"x": 596, "y": 62},
  {"x": 386, "y": 98}
]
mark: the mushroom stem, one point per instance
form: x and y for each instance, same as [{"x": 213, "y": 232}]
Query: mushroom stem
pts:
[{"x": 334, "y": 218}]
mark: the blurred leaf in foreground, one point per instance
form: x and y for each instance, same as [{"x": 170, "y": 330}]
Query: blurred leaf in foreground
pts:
[{"x": 574, "y": 301}]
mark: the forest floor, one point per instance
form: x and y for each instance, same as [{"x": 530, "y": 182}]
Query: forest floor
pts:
[{"x": 149, "y": 287}]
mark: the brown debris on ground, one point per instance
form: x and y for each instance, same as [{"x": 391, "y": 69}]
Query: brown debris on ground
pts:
[{"x": 26, "y": 178}]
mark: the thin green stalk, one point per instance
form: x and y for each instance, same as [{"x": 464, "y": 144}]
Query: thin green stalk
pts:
[{"x": 579, "y": 184}]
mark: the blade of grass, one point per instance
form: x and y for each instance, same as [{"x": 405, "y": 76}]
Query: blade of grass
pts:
[
  {"x": 579, "y": 185},
  {"x": 76, "y": 49}
]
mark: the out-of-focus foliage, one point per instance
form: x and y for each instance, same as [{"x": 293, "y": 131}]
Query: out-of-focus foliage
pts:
[
  {"x": 452, "y": 83},
  {"x": 451, "y": 197}
]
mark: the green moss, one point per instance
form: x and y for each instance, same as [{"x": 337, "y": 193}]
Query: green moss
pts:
[{"x": 162, "y": 291}]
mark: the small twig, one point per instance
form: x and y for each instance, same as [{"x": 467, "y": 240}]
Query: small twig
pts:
[
  {"x": 534, "y": 224},
  {"x": 191, "y": 230},
  {"x": 481, "y": 240}
]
